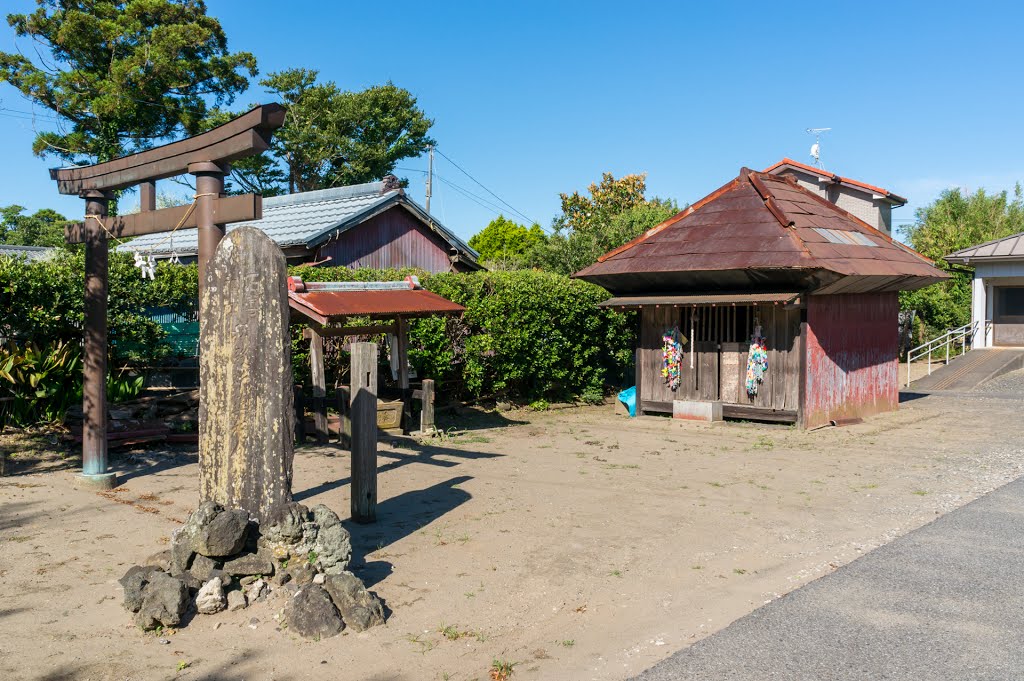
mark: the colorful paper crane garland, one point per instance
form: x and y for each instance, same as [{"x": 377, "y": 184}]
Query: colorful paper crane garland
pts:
[
  {"x": 757, "y": 361},
  {"x": 672, "y": 357}
]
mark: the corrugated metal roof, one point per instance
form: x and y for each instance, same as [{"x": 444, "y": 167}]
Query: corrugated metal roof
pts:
[
  {"x": 30, "y": 253},
  {"x": 327, "y": 306},
  {"x": 1009, "y": 247},
  {"x": 762, "y": 225},
  {"x": 699, "y": 299},
  {"x": 304, "y": 219}
]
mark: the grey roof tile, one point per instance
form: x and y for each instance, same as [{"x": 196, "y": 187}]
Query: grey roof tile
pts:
[
  {"x": 1008, "y": 247},
  {"x": 293, "y": 220}
]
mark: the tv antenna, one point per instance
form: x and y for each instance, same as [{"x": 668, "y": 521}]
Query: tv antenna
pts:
[{"x": 816, "y": 147}]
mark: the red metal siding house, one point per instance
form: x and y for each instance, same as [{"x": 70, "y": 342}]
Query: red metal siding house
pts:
[{"x": 763, "y": 252}]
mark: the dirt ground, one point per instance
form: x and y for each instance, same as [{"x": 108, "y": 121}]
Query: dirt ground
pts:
[{"x": 575, "y": 544}]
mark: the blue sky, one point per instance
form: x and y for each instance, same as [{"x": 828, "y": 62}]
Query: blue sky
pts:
[{"x": 537, "y": 98}]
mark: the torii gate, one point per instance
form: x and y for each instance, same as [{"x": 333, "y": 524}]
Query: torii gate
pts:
[{"x": 206, "y": 156}]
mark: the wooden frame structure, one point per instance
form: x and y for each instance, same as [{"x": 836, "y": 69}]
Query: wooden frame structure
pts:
[
  {"x": 331, "y": 306},
  {"x": 207, "y": 157}
]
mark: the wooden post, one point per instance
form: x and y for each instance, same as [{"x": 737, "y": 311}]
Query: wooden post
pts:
[
  {"x": 316, "y": 370},
  {"x": 403, "y": 373},
  {"x": 427, "y": 413},
  {"x": 300, "y": 414},
  {"x": 344, "y": 417},
  {"x": 364, "y": 432},
  {"x": 94, "y": 363}
]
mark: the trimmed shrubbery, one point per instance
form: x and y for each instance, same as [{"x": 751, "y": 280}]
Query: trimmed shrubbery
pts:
[{"x": 525, "y": 335}]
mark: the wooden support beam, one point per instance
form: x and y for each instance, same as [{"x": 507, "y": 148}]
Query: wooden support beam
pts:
[
  {"x": 364, "y": 432},
  {"x": 341, "y": 332},
  {"x": 316, "y": 370},
  {"x": 226, "y": 209},
  {"x": 300, "y": 415},
  {"x": 427, "y": 412},
  {"x": 403, "y": 372}
]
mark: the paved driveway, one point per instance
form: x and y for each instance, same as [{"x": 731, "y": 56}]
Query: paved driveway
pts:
[{"x": 943, "y": 602}]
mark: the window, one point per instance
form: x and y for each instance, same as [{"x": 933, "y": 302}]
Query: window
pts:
[
  {"x": 1010, "y": 302},
  {"x": 841, "y": 236}
]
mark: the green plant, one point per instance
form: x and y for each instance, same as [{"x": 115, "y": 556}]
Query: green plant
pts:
[
  {"x": 43, "y": 379},
  {"x": 764, "y": 442},
  {"x": 311, "y": 558},
  {"x": 539, "y": 405},
  {"x": 122, "y": 387},
  {"x": 501, "y": 670}
]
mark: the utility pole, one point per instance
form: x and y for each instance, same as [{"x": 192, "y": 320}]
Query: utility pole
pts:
[{"x": 430, "y": 174}]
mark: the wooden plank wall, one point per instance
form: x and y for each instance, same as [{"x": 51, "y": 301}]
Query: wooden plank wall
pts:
[{"x": 720, "y": 368}]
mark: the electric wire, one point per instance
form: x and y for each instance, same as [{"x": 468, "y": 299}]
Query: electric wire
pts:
[{"x": 501, "y": 200}]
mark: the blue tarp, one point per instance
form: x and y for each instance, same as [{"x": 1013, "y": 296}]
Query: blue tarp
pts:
[{"x": 628, "y": 398}]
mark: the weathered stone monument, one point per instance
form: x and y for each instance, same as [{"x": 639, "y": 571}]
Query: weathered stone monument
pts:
[{"x": 246, "y": 440}]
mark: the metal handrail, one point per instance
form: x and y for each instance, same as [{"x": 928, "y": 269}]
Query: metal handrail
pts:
[{"x": 962, "y": 334}]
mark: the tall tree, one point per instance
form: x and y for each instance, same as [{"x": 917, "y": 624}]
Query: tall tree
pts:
[
  {"x": 503, "y": 243},
  {"x": 45, "y": 227},
  {"x": 615, "y": 212},
  {"x": 333, "y": 137},
  {"x": 954, "y": 221},
  {"x": 123, "y": 75}
]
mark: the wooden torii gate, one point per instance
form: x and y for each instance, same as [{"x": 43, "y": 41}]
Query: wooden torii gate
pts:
[{"x": 207, "y": 157}]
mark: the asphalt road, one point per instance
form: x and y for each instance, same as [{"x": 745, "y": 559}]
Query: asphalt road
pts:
[{"x": 943, "y": 602}]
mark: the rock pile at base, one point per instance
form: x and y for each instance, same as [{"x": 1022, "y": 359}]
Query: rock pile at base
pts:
[{"x": 221, "y": 560}]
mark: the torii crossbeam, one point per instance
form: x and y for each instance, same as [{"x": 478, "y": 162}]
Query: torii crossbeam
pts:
[{"x": 206, "y": 156}]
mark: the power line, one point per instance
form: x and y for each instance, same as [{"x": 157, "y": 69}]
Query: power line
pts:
[{"x": 503, "y": 201}]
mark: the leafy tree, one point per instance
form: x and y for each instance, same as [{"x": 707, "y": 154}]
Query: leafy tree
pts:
[
  {"x": 45, "y": 227},
  {"x": 125, "y": 74},
  {"x": 954, "y": 221},
  {"x": 333, "y": 137},
  {"x": 589, "y": 226},
  {"x": 503, "y": 243}
]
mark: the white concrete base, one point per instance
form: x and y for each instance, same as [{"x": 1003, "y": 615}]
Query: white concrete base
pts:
[{"x": 696, "y": 411}]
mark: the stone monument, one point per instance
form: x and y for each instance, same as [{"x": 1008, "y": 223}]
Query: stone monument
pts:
[{"x": 246, "y": 440}]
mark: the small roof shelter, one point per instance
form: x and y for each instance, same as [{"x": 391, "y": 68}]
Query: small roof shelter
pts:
[
  {"x": 764, "y": 254},
  {"x": 379, "y": 307}
]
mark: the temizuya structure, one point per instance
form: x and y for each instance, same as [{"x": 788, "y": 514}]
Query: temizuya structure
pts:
[
  {"x": 763, "y": 253},
  {"x": 205, "y": 156}
]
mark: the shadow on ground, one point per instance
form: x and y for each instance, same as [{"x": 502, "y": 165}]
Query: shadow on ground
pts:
[{"x": 397, "y": 518}]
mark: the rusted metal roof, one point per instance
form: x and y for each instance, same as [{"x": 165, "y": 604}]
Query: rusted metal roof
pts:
[
  {"x": 700, "y": 299},
  {"x": 1008, "y": 248},
  {"x": 766, "y": 228},
  {"x": 331, "y": 306}
]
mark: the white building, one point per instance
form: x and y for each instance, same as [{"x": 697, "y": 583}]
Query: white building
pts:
[{"x": 997, "y": 293}]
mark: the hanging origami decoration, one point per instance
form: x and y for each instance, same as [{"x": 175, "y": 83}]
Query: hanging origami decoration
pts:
[
  {"x": 757, "y": 361},
  {"x": 146, "y": 265},
  {"x": 672, "y": 357}
]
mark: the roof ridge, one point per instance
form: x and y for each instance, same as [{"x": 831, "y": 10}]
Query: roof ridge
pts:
[
  {"x": 329, "y": 194},
  {"x": 835, "y": 177}
]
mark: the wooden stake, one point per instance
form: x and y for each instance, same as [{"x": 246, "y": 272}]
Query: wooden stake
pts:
[
  {"x": 316, "y": 369},
  {"x": 364, "y": 432},
  {"x": 300, "y": 415},
  {"x": 403, "y": 372},
  {"x": 427, "y": 413}
]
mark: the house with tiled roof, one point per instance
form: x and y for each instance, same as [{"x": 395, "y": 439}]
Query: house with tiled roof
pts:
[
  {"x": 367, "y": 225},
  {"x": 997, "y": 290},
  {"x": 764, "y": 300},
  {"x": 871, "y": 204}
]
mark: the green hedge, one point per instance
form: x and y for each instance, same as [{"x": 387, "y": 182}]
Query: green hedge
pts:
[{"x": 525, "y": 334}]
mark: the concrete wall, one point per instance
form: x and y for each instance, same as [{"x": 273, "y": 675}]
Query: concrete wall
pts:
[
  {"x": 988, "y": 275},
  {"x": 852, "y": 366}
]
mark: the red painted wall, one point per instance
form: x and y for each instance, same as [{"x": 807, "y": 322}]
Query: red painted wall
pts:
[
  {"x": 392, "y": 239},
  {"x": 852, "y": 364}
]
